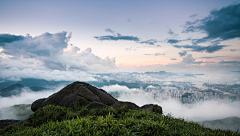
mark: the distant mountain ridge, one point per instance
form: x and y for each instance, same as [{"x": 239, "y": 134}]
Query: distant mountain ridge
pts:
[{"x": 17, "y": 89}]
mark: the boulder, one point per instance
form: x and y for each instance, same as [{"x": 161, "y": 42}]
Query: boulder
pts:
[
  {"x": 71, "y": 93},
  {"x": 152, "y": 107},
  {"x": 96, "y": 106},
  {"x": 128, "y": 105},
  {"x": 80, "y": 95}
]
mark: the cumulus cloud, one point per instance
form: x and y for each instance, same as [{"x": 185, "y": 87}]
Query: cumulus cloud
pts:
[
  {"x": 173, "y": 59},
  {"x": 8, "y": 38},
  {"x": 198, "y": 48},
  {"x": 217, "y": 25},
  {"x": 189, "y": 59},
  {"x": 48, "y": 54},
  {"x": 183, "y": 53}
]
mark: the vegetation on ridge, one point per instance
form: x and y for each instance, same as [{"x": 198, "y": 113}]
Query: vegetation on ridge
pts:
[{"x": 56, "y": 120}]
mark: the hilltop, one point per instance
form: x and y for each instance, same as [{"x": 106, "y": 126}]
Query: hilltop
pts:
[{"x": 82, "y": 109}]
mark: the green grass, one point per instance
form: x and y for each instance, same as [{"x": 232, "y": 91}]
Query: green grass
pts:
[{"x": 56, "y": 120}]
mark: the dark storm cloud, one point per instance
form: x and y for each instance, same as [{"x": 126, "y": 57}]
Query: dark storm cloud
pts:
[
  {"x": 223, "y": 24},
  {"x": 173, "y": 41},
  {"x": 118, "y": 37},
  {"x": 198, "y": 48},
  {"x": 156, "y": 54},
  {"x": 8, "y": 38},
  {"x": 183, "y": 53}
]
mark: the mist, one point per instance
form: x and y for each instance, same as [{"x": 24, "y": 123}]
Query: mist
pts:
[
  {"x": 201, "y": 111},
  {"x": 22, "y": 103}
]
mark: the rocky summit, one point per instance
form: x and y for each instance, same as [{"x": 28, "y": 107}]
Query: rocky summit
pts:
[{"x": 89, "y": 97}]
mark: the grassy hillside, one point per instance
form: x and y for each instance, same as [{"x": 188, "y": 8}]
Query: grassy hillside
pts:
[{"x": 56, "y": 120}]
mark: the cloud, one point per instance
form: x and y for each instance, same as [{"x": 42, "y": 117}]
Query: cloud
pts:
[
  {"x": 223, "y": 24},
  {"x": 117, "y": 37},
  {"x": 173, "y": 41},
  {"x": 189, "y": 59},
  {"x": 233, "y": 50},
  {"x": 236, "y": 71},
  {"x": 183, "y": 53},
  {"x": 156, "y": 54},
  {"x": 198, "y": 48},
  {"x": 49, "y": 56},
  {"x": 207, "y": 110},
  {"x": 150, "y": 42},
  {"x": 193, "y": 16},
  {"x": 8, "y": 38},
  {"x": 131, "y": 49},
  {"x": 229, "y": 62},
  {"x": 109, "y": 30},
  {"x": 173, "y": 59},
  {"x": 212, "y": 57},
  {"x": 170, "y": 32}
]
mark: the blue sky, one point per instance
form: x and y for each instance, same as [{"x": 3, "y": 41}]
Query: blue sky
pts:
[{"x": 69, "y": 37}]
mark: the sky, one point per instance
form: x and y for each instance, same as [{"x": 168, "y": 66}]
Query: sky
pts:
[{"x": 74, "y": 40}]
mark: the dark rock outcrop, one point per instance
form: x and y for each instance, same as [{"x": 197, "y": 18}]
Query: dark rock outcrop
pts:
[
  {"x": 128, "y": 105},
  {"x": 71, "y": 93},
  {"x": 96, "y": 106},
  {"x": 83, "y": 95},
  {"x": 153, "y": 107}
]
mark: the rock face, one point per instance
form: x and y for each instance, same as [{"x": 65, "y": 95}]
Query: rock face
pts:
[
  {"x": 86, "y": 96},
  {"x": 71, "y": 93}
]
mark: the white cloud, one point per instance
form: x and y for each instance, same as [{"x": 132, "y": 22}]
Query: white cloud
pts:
[
  {"x": 49, "y": 56},
  {"x": 207, "y": 110},
  {"x": 189, "y": 59}
]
